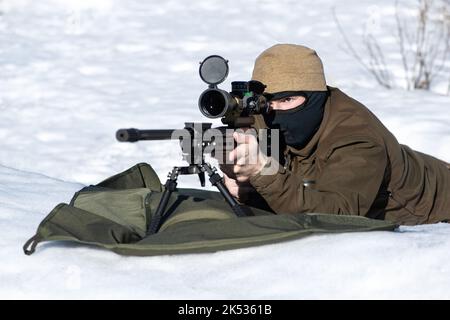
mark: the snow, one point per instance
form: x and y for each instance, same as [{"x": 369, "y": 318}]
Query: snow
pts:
[{"x": 73, "y": 72}]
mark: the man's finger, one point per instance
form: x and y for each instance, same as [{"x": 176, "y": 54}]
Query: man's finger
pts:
[
  {"x": 241, "y": 137},
  {"x": 242, "y": 178},
  {"x": 242, "y": 154},
  {"x": 232, "y": 156}
]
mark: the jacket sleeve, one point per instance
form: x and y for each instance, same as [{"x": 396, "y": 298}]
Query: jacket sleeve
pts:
[{"x": 348, "y": 184}]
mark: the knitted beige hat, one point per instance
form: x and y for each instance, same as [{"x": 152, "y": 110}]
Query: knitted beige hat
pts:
[{"x": 289, "y": 67}]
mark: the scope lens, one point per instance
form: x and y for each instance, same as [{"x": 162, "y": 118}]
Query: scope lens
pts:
[
  {"x": 214, "y": 70},
  {"x": 213, "y": 104}
]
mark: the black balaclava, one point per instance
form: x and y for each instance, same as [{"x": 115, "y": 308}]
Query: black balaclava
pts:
[{"x": 298, "y": 125}]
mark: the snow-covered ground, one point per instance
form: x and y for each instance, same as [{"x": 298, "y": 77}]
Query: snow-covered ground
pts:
[{"x": 74, "y": 71}]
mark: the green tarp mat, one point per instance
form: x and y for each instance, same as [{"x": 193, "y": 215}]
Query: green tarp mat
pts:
[{"x": 116, "y": 213}]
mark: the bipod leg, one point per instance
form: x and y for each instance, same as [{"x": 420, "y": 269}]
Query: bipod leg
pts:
[
  {"x": 217, "y": 181},
  {"x": 169, "y": 187}
]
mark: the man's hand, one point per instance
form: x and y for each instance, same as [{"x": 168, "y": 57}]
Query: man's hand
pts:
[
  {"x": 239, "y": 190},
  {"x": 247, "y": 160}
]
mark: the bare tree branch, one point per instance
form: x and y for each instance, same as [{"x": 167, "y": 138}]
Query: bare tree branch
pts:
[
  {"x": 401, "y": 42},
  {"x": 372, "y": 68},
  {"x": 423, "y": 43}
]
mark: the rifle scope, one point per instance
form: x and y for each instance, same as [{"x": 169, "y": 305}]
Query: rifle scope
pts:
[{"x": 246, "y": 97}]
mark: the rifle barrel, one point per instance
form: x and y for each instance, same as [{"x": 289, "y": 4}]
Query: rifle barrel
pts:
[{"x": 133, "y": 135}]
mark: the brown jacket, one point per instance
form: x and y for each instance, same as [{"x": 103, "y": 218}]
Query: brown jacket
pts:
[{"x": 353, "y": 165}]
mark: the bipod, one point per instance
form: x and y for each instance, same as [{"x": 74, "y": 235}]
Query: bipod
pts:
[{"x": 171, "y": 184}]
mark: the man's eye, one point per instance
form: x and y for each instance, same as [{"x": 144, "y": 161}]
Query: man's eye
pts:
[{"x": 286, "y": 100}]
